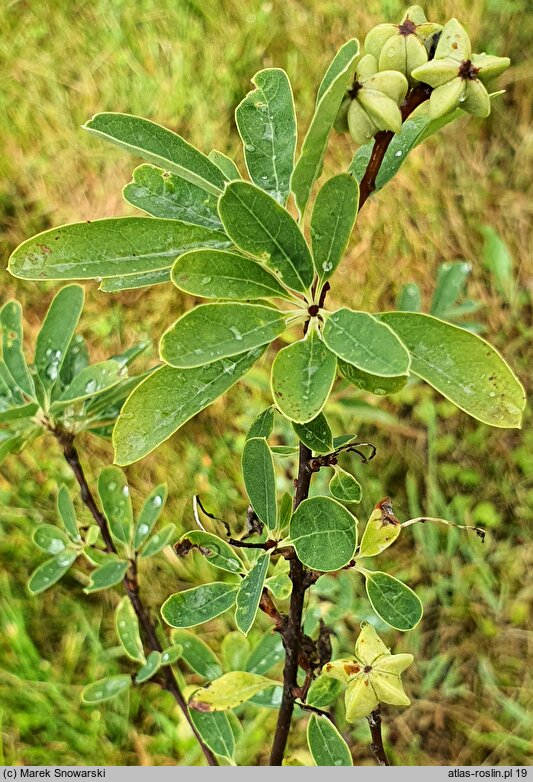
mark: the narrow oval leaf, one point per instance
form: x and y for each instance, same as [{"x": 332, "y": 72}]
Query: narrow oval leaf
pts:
[
  {"x": 107, "y": 575},
  {"x": 379, "y": 534},
  {"x": 106, "y": 689},
  {"x": 323, "y": 692},
  {"x": 157, "y": 542},
  {"x": 462, "y": 367},
  {"x": 450, "y": 286},
  {"x": 151, "y": 667},
  {"x": 214, "y": 331},
  {"x": 168, "y": 398},
  {"x": 267, "y": 653},
  {"x": 266, "y": 122},
  {"x": 150, "y": 512},
  {"x": 260, "y": 480},
  {"x": 229, "y": 691},
  {"x": 51, "y": 571},
  {"x": 344, "y": 487},
  {"x": 67, "y": 514},
  {"x": 116, "y": 247},
  {"x": 135, "y": 281},
  {"x": 315, "y": 434},
  {"x": 197, "y": 654},
  {"x": 171, "y": 197},
  {"x": 263, "y": 424},
  {"x": 50, "y": 539},
  {"x": 332, "y": 222},
  {"x": 92, "y": 380},
  {"x": 372, "y": 383},
  {"x": 323, "y": 533},
  {"x": 225, "y": 164},
  {"x": 13, "y": 346},
  {"x": 115, "y": 497},
  {"x": 359, "y": 339},
  {"x": 261, "y": 227},
  {"x": 217, "y": 552},
  {"x": 215, "y": 274},
  {"x": 393, "y": 601},
  {"x": 326, "y": 744},
  {"x": 249, "y": 594},
  {"x": 158, "y": 145},
  {"x": 127, "y": 627},
  {"x": 309, "y": 165},
  {"x": 302, "y": 376},
  {"x": 172, "y": 654},
  {"x": 198, "y": 605},
  {"x": 56, "y": 333},
  {"x": 216, "y": 732}
]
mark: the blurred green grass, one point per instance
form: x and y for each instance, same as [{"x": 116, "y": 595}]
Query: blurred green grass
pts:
[{"x": 187, "y": 65}]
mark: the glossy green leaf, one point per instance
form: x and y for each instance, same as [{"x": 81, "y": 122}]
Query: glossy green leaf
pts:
[
  {"x": 67, "y": 514},
  {"x": 168, "y": 398},
  {"x": 315, "y": 434},
  {"x": 115, "y": 497},
  {"x": 217, "y": 552},
  {"x": 451, "y": 283},
  {"x": 229, "y": 691},
  {"x": 309, "y": 165},
  {"x": 18, "y": 413},
  {"x": 379, "y": 534},
  {"x": 215, "y": 274},
  {"x": 224, "y": 164},
  {"x": 171, "y": 654},
  {"x": 159, "y": 146},
  {"x": 266, "y": 653},
  {"x": 235, "y": 649},
  {"x": 56, "y": 333},
  {"x": 323, "y": 533},
  {"x": 332, "y": 222},
  {"x": 259, "y": 479},
  {"x": 302, "y": 376},
  {"x": 462, "y": 366},
  {"x": 361, "y": 340},
  {"x": 50, "y": 539},
  {"x": 106, "y": 689},
  {"x": 284, "y": 450},
  {"x": 344, "y": 487},
  {"x": 76, "y": 360},
  {"x": 280, "y": 586},
  {"x": 127, "y": 627},
  {"x": 91, "y": 381},
  {"x": 150, "y": 667},
  {"x": 135, "y": 281},
  {"x": 393, "y": 601},
  {"x": 51, "y": 571},
  {"x": 149, "y": 515},
  {"x": 326, "y": 744},
  {"x": 198, "y": 605},
  {"x": 409, "y": 298},
  {"x": 285, "y": 510},
  {"x": 261, "y": 227},
  {"x": 116, "y": 247},
  {"x": 267, "y": 125},
  {"x": 215, "y": 730},
  {"x": 158, "y": 541},
  {"x": 249, "y": 594},
  {"x": 197, "y": 654},
  {"x": 375, "y": 384},
  {"x": 107, "y": 575},
  {"x": 214, "y": 331},
  {"x": 10, "y": 394},
  {"x": 323, "y": 692},
  {"x": 13, "y": 346},
  {"x": 263, "y": 424},
  {"x": 171, "y": 197}
]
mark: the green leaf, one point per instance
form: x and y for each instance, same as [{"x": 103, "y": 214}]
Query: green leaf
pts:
[
  {"x": 197, "y": 654},
  {"x": 410, "y": 298},
  {"x": 361, "y": 340},
  {"x": 106, "y": 689},
  {"x": 116, "y": 247},
  {"x": 235, "y": 649},
  {"x": 267, "y": 125},
  {"x": 279, "y": 585},
  {"x": 13, "y": 346},
  {"x": 249, "y": 594},
  {"x": 267, "y": 653},
  {"x": 499, "y": 262},
  {"x": 344, "y": 487},
  {"x": 285, "y": 510},
  {"x": 217, "y": 552},
  {"x": 198, "y": 605},
  {"x": 67, "y": 514},
  {"x": 171, "y": 654},
  {"x": 315, "y": 434},
  {"x": 76, "y": 359},
  {"x": 168, "y": 398},
  {"x": 326, "y": 744},
  {"x": 302, "y": 376},
  {"x": 323, "y": 533},
  {"x": 50, "y": 539},
  {"x": 263, "y": 424},
  {"x": 151, "y": 667},
  {"x": 215, "y": 274},
  {"x": 158, "y": 541},
  {"x": 56, "y": 333},
  {"x": 135, "y": 281},
  {"x": 51, "y": 571},
  {"x": 462, "y": 367},
  {"x": 284, "y": 450},
  {"x": 150, "y": 512},
  {"x": 18, "y": 413},
  {"x": 159, "y": 146},
  {"x": 451, "y": 283},
  {"x": 393, "y": 600},
  {"x": 214, "y": 331},
  {"x": 216, "y": 732},
  {"x": 375, "y": 384},
  {"x": 259, "y": 480},
  {"x": 332, "y": 222},
  {"x": 127, "y": 627},
  {"x": 379, "y": 534},
  {"x": 171, "y": 197},
  {"x": 229, "y": 691},
  {"x": 261, "y": 227},
  {"x": 323, "y": 692},
  {"x": 309, "y": 165},
  {"x": 115, "y": 497},
  {"x": 91, "y": 381},
  {"x": 225, "y": 164},
  {"x": 107, "y": 575}
]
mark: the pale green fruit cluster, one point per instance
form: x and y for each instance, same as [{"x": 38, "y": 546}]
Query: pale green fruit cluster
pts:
[{"x": 457, "y": 76}]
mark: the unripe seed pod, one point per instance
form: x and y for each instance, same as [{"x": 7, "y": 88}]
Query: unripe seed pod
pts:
[
  {"x": 341, "y": 121},
  {"x": 393, "y": 84},
  {"x": 382, "y": 110},
  {"x": 489, "y": 66},
  {"x": 362, "y": 129},
  {"x": 476, "y": 99},
  {"x": 437, "y": 72},
  {"x": 445, "y": 99}
]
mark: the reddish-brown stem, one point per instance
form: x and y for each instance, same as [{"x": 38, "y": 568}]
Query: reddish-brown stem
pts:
[{"x": 378, "y": 750}]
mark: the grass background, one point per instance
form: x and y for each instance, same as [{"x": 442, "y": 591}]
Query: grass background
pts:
[{"x": 187, "y": 64}]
